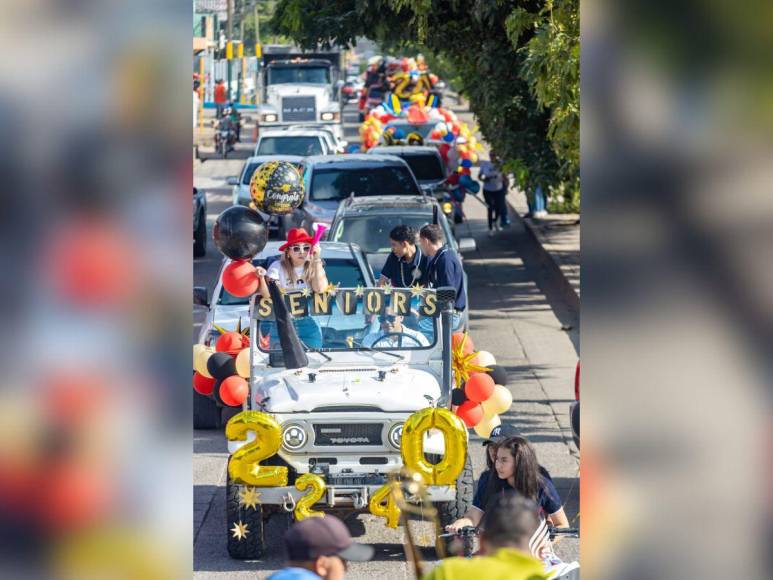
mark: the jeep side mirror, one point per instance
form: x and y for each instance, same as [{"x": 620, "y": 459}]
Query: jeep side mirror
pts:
[
  {"x": 200, "y": 296},
  {"x": 467, "y": 245},
  {"x": 232, "y": 180}
]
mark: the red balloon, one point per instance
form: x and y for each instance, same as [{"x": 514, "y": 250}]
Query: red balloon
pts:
[
  {"x": 456, "y": 340},
  {"x": 465, "y": 171},
  {"x": 231, "y": 342},
  {"x": 470, "y": 412},
  {"x": 240, "y": 278},
  {"x": 203, "y": 385},
  {"x": 435, "y": 134},
  {"x": 455, "y": 129},
  {"x": 479, "y": 387},
  {"x": 234, "y": 391}
]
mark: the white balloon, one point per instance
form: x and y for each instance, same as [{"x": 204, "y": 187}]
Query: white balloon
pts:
[
  {"x": 499, "y": 402},
  {"x": 243, "y": 363},
  {"x": 486, "y": 359},
  {"x": 486, "y": 426}
]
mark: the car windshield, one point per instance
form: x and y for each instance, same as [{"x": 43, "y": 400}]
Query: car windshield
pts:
[
  {"x": 425, "y": 167},
  {"x": 279, "y": 75},
  {"x": 359, "y": 331},
  {"x": 371, "y": 232},
  {"x": 247, "y": 175},
  {"x": 341, "y": 271},
  {"x": 408, "y": 128},
  {"x": 332, "y": 184},
  {"x": 290, "y": 146}
]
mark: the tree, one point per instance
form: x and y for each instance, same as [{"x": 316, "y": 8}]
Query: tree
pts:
[{"x": 517, "y": 62}]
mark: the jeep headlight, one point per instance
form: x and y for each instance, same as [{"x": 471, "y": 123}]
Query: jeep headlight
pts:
[
  {"x": 395, "y": 435},
  {"x": 329, "y": 116},
  {"x": 269, "y": 118},
  {"x": 293, "y": 437}
]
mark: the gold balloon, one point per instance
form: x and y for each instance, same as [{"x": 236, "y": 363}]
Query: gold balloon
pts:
[
  {"x": 243, "y": 363},
  {"x": 485, "y": 359},
  {"x": 383, "y": 504},
  {"x": 201, "y": 354},
  {"x": 484, "y": 428},
  {"x": 317, "y": 489},
  {"x": 244, "y": 466},
  {"x": 454, "y": 434},
  {"x": 499, "y": 402}
]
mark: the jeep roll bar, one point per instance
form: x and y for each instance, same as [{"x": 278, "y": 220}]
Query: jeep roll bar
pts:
[{"x": 446, "y": 297}]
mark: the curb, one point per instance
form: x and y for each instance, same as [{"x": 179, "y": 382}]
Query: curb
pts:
[{"x": 549, "y": 262}]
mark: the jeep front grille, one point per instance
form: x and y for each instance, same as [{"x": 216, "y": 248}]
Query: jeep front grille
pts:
[
  {"x": 347, "y": 434},
  {"x": 298, "y": 109}
]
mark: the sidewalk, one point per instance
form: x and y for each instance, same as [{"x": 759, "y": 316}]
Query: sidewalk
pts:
[{"x": 559, "y": 236}]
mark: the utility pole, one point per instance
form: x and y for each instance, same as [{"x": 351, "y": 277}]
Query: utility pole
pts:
[
  {"x": 229, "y": 43},
  {"x": 258, "y": 53}
]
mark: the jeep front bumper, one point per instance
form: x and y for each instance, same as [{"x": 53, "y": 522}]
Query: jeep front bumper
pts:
[{"x": 343, "y": 496}]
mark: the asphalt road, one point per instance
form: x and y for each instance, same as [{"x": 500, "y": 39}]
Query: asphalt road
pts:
[{"x": 517, "y": 313}]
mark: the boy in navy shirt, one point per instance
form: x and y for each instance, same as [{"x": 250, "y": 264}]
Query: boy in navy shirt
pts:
[
  {"x": 407, "y": 264},
  {"x": 443, "y": 267}
]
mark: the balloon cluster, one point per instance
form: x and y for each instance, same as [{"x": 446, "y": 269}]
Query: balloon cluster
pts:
[
  {"x": 221, "y": 372},
  {"x": 480, "y": 399}
]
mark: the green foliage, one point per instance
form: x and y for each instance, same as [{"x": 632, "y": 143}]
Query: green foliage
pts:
[{"x": 516, "y": 61}]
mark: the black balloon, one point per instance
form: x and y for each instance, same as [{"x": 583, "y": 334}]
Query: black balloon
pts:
[
  {"x": 276, "y": 187},
  {"x": 221, "y": 366},
  {"x": 240, "y": 232},
  {"x": 458, "y": 397},
  {"x": 499, "y": 374}
]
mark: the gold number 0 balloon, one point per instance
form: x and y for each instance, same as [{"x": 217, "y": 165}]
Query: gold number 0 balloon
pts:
[
  {"x": 412, "y": 445},
  {"x": 382, "y": 504},
  {"x": 244, "y": 466},
  {"x": 317, "y": 488}
]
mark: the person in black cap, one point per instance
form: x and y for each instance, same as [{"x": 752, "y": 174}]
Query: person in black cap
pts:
[{"x": 319, "y": 547}]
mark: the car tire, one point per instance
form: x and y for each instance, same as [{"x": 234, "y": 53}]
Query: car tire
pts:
[
  {"x": 450, "y": 511},
  {"x": 252, "y": 545},
  {"x": 200, "y": 238},
  {"x": 574, "y": 416},
  {"x": 206, "y": 414}
]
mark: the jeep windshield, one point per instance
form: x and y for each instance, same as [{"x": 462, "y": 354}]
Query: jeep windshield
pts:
[
  {"x": 356, "y": 332},
  {"x": 281, "y": 75},
  {"x": 371, "y": 232},
  {"x": 333, "y": 184},
  {"x": 339, "y": 271},
  {"x": 290, "y": 146}
]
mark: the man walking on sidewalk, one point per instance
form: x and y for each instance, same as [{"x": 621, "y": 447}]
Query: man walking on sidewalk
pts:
[{"x": 495, "y": 186}]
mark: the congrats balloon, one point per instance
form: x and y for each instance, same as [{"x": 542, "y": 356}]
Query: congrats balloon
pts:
[
  {"x": 276, "y": 187},
  {"x": 240, "y": 232}
]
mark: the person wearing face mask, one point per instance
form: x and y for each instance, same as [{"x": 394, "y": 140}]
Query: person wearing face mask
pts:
[
  {"x": 391, "y": 333},
  {"x": 299, "y": 267}
]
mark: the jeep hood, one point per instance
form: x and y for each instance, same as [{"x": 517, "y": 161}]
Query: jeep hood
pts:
[{"x": 404, "y": 390}]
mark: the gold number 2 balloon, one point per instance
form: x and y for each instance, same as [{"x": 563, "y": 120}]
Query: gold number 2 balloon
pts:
[
  {"x": 244, "y": 466},
  {"x": 316, "y": 486}
]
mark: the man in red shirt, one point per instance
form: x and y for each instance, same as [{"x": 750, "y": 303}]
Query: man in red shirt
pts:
[{"x": 221, "y": 97}]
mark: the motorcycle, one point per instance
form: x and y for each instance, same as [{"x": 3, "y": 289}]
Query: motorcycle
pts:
[
  {"x": 464, "y": 545},
  {"x": 224, "y": 140}
]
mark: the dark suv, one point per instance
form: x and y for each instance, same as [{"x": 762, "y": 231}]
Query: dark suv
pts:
[
  {"x": 367, "y": 221},
  {"x": 425, "y": 162},
  {"x": 329, "y": 179}
]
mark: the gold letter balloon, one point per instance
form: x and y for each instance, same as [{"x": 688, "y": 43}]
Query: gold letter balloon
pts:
[
  {"x": 244, "y": 466},
  {"x": 412, "y": 445},
  {"x": 316, "y": 486}
]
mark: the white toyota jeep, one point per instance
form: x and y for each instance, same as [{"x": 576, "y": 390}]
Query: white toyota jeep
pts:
[{"x": 341, "y": 417}]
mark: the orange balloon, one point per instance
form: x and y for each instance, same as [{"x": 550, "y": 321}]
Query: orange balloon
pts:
[
  {"x": 479, "y": 387},
  {"x": 231, "y": 342},
  {"x": 458, "y": 337},
  {"x": 234, "y": 391}
]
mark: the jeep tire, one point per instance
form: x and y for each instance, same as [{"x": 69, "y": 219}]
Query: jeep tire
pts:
[
  {"x": 450, "y": 511},
  {"x": 206, "y": 413},
  {"x": 251, "y": 546}
]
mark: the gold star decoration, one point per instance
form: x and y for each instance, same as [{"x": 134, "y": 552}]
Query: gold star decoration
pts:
[
  {"x": 387, "y": 288},
  {"x": 350, "y": 341},
  {"x": 306, "y": 292},
  {"x": 331, "y": 289},
  {"x": 359, "y": 290},
  {"x": 249, "y": 497},
  {"x": 462, "y": 363},
  {"x": 240, "y": 530},
  {"x": 416, "y": 290}
]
